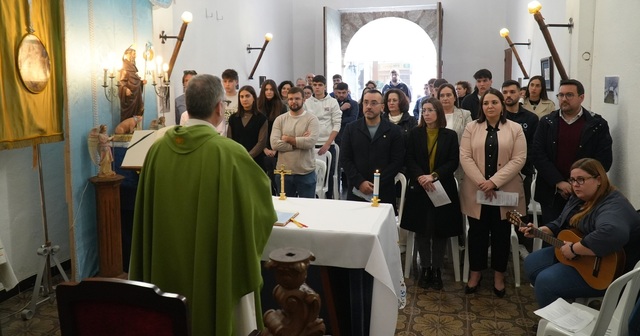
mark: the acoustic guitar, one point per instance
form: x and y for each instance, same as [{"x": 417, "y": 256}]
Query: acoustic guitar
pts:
[{"x": 597, "y": 272}]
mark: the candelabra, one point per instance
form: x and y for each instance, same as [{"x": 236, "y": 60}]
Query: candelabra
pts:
[
  {"x": 162, "y": 88},
  {"x": 110, "y": 90}
]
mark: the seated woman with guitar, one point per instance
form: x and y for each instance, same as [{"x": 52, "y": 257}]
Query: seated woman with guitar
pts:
[{"x": 598, "y": 239}]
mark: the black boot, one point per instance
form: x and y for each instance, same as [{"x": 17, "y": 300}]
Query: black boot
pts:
[
  {"x": 436, "y": 281},
  {"x": 426, "y": 277}
]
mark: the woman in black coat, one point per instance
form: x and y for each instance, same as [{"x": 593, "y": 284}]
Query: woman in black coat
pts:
[{"x": 432, "y": 155}]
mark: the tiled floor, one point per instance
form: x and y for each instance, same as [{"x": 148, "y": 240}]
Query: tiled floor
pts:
[
  {"x": 451, "y": 312},
  {"x": 428, "y": 312},
  {"x": 43, "y": 323}
]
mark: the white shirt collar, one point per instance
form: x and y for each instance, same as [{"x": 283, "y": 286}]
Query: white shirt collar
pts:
[{"x": 572, "y": 120}]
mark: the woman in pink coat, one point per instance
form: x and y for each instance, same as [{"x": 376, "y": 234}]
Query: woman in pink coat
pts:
[{"x": 492, "y": 153}]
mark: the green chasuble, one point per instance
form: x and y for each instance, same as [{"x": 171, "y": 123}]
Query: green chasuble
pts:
[{"x": 203, "y": 215}]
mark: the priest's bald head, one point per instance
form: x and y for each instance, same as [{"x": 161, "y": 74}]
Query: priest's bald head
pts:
[{"x": 204, "y": 96}]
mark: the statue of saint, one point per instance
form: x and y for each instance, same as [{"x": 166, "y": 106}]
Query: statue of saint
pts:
[
  {"x": 131, "y": 87},
  {"x": 106, "y": 155}
]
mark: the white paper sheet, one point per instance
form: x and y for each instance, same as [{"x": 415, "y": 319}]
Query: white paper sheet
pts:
[
  {"x": 565, "y": 315},
  {"x": 439, "y": 197},
  {"x": 502, "y": 198},
  {"x": 362, "y": 195}
]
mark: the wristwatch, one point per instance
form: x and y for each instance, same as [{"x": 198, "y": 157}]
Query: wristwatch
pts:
[{"x": 435, "y": 176}]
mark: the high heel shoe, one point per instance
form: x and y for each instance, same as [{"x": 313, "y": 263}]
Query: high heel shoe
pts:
[
  {"x": 500, "y": 292},
  {"x": 471, "y": 290}
]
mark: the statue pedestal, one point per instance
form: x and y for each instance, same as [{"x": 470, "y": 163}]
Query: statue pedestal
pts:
[{"x": 108, "y": 221}]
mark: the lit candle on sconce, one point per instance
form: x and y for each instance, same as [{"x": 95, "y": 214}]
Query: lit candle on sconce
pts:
[
  {"x": 153, "y": 76},
  {"x": 104, "y": 81},
  {"x": 159, "y": 66},
  {"x": 165, "y": 71}
]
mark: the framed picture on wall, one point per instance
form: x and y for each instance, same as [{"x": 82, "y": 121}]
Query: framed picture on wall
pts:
[{"x": 546, "y": 70}]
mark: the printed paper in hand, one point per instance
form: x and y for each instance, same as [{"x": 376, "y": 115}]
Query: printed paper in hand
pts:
[
  {"x": 362, "y": 195},
  {"x": 502, "y": 198},
  {"x": 439, "y": 197},
  {"x": 565, "y": 315}
]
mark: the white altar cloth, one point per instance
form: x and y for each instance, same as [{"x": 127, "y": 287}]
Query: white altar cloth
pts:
[{"x": 349, "y": 234}]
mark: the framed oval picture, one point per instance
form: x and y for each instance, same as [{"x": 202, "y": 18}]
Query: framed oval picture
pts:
[{"x": 34, "y": 65}]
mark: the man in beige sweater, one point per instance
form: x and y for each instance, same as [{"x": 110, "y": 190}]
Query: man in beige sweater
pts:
[{"x": 294, "y": 137}]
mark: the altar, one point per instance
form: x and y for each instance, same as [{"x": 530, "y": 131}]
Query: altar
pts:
[{"x": 352, "y": 235}]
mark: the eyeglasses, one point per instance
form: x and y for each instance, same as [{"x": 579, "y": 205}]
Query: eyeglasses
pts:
[
  {"x": 569, "y": 96},
  {"x": 372, "y": 104},
  {"x": 579, "y": 180}
]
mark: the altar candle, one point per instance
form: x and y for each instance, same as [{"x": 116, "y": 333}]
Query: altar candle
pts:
[{"x": 376, "y": 183}]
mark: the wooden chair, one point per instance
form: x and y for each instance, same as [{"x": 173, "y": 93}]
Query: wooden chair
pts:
[{"x": 109, "y": 306}]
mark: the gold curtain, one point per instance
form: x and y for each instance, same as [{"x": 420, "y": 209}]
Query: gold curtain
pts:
[{"x": 27, "y": 118}]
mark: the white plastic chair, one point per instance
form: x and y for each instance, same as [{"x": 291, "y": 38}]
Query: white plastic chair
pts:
[
  {"x": 400, "y": 178},
  {"x": 321, "y": 172},
  {"x": 534, "y": 210},
  {"x": 613, "y": 317},
  {"x": 326, "y": 157},
  {"x": 336, "y": 174}
]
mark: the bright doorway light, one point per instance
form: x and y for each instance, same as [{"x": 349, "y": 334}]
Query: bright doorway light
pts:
[{"x": 388, "y": 43}]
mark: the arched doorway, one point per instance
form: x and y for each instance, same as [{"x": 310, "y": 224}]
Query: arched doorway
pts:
[{"x": 375, "y": 49}]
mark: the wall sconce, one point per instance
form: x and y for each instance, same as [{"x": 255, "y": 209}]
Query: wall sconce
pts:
[
  {"x": 267, "y": 39},
  {"x": 534, "y": 8},
  {"x": 504, "y": 32},
  {"x": 186, "y": 17},
  {"x": 162, "y": 73},
  {"x": 110, "y": 68}
]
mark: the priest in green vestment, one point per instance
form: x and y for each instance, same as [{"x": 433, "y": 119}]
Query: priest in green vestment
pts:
[{"x": 203, "y": 215}]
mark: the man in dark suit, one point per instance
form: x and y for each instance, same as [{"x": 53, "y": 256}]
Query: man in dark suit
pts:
[
  {"x": 369, "y": 144},
  {"x": 563, "y": 137}
]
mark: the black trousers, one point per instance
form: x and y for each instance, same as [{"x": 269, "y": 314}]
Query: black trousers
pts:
[{"x": 489, "y": 228}]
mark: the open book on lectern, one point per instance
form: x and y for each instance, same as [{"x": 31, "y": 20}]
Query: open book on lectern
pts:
[{"x": 138, "y": 147}]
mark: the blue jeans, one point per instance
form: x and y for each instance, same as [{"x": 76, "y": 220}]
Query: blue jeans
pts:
[
  {"x": 299, "y": 185},
  {"x": 552, "y": 279}
]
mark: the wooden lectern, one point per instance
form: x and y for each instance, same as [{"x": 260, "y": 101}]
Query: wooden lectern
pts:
[{"x": 108, "y": 220}]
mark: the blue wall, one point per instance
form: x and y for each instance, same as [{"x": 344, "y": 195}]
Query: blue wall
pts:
[{"x": 93, "y": 29}]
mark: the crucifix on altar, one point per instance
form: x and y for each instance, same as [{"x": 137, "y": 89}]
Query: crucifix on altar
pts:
[{"x": 282, "y": 172}]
